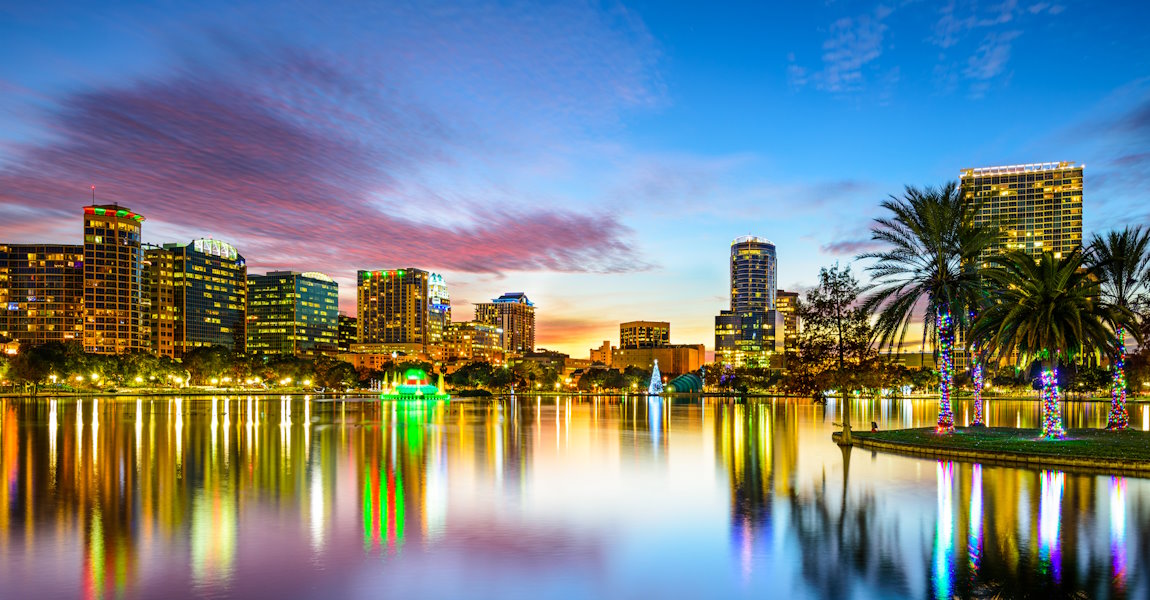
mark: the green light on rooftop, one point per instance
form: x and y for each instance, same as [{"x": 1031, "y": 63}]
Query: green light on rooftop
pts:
[
  {"x": 401, "y": 272},
  {"x": 99, "y": 211},
  {"x": 121, "y": 213}
]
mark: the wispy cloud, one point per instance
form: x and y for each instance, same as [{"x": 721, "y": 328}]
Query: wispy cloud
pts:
[
  {"x": 853, "y": 43},
  {"x": 314, "y": 159},
  {"x": 850, "y": 248},
  {"x": 990, "y": 60}
]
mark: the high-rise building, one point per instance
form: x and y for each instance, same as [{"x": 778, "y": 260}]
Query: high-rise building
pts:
[
  {"x": 113, "y": 280},
  {"x": 292, "y": 313},
  {"x": 42, "y": 293},
  {"x": 644, "y": 334},
  {"x": 754, "y": 269},
  {"x": 752, "y": 330},
  {"x": 348, "y": 333},
  {"x": 197, "y": 296},
  {"x": 1038, "y": 207},
  {"x": 515, "y": 315},
  {"x": 405, "y": 309},
  {"x": 787, "y": 305}
]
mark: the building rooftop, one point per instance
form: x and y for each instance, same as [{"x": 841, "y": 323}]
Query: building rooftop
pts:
[
  {"x": 517, "y": 297},
  {"x": 751, "y": 239},
  {"x": 1016, "y": 169},
  {"x": 116, "y": 210}
]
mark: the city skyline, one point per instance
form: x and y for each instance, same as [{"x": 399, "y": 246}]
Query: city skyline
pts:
[{"x": 599, "y": 159}]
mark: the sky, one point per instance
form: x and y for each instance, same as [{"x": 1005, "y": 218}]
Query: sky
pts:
[{"x": 599, "y": 157}]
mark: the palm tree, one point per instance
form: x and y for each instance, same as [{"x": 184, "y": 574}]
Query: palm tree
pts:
[
  {"x": 1121, "y": 261},
  {"x": 931, "y": 263},
  {"x": 1043, "y": 308}
]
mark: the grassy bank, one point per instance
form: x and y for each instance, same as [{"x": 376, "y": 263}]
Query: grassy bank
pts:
[{"x": 1092, "y": 449}]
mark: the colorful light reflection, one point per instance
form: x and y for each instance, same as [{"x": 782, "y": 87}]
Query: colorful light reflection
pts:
[{"x": 1049, "y": 522}]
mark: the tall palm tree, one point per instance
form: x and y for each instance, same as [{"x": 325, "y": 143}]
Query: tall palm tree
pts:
[
  {"x": 1043, "y": 308},
  {"x": 931, "y": 263},
  {"x": 1121, "y": 261}
]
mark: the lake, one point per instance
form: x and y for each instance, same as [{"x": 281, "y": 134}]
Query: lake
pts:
[{"x": 551, "y": 497}]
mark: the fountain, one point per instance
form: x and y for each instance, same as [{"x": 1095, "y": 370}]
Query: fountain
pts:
[
  {"x": 656, "y": 386},
  {"x": 416, "y": 386}
]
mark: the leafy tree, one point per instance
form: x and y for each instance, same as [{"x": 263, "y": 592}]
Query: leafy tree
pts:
[
  {"x": 1121, "y": 261},
  {"x": 931, "y": 261},
  {"x": 834, "y": 347}
]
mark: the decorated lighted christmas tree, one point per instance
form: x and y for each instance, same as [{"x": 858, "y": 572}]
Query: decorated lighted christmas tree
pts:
[{"x": 656, "y": 386}]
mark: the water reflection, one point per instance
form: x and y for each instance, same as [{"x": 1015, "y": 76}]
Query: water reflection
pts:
[{"x": 595, "y": 496}]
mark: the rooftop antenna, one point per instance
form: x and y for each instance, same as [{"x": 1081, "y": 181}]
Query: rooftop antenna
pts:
[{"x": 93, "y": 194}]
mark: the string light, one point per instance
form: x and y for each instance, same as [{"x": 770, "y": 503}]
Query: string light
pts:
[
  {"x": 976, "y": 378},
  {"x": 1119, "y": 418},
  {"x": 945, "y": 371},
  {"x": 1051, "y": 415}
]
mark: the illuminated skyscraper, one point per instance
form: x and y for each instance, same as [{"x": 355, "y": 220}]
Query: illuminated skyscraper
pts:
[
  {"x": 754, "y": 271},
  {"x": 1037, "y": 206},
  {"x": 113, "y": 280},
  {"x": 515, "y": 315},
  {"x": 41, "y": 293},
  {"x": 751, "y": 331},
  {"x": 406, "y": 309},
  {"x": 197, "y": 296},
  {"x": 292, "y": 313}
]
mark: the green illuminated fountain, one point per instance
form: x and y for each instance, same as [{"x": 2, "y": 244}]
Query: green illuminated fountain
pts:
[{"x": 415, "y": 386}]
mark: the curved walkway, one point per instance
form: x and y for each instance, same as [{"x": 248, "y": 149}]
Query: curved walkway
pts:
[{"x": 1083, "y": 450}]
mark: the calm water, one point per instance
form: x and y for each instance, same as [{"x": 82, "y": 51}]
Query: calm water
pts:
[{"x": 538, "y": 498}]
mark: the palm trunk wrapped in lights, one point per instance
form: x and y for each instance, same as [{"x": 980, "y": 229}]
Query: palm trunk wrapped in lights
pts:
[
  {"x": 945, "y": 370},
  {"x": 1051, "y": 413},
  {"x": 976, "y": 380},
  {"x": 1119, "y": 418}
]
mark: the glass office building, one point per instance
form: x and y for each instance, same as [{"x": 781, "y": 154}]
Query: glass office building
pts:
[
  {"x": 292, "y": 313},
  {"x": 197, "y": 297},
  {"x": 515, "y": 315}
]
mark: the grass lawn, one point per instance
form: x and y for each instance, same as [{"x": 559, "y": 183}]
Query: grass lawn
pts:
[{"x": 1128, "y": 445}]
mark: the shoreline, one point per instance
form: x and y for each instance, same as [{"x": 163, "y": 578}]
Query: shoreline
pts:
[{"x": 1089, "y": 451}]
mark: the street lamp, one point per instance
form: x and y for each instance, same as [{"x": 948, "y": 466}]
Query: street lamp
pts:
[
  {"x": 53, "y": 378},
  {"x": 306, "y": 382},
  {"x": 139, "y": 379},
  {"x": 215, "y": 381},
  {"x": 79, "y": 379},
  {"x": 95, "y": 376}
]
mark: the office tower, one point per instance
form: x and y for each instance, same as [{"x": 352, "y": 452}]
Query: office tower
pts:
[
  {"x": 41, "y": 293},
  {"x": 787, "y": 304},
  {"x": 113, "y": 280},
  {"x": 292, "y": 313},
  {"x": 515, "y": 315},
  {"x": 1037, "y": 206},
  {"x": 404, "y": 310},
  {"x": 348, "y": 333},
  {"x": 474, "y": 341},
  {"x": 753, "y": 274},
  {"x": 197, "y": 297},
  {"x": 644, "y": 334},
  {"x": 752, "y": 330}
]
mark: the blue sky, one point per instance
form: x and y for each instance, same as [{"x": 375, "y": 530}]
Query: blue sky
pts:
[{"x": 599, "y": 157}]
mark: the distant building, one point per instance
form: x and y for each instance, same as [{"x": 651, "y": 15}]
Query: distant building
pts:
[
  {"x": 196, "y": 297},
  {"x": 41, "y": 293},
  {"x": 474, "y": 341},
  {"x": 751, "y": 332},
  {"x": 673, "y": 359},
  {"x": 644, "y": 334},
  {"x": 787, "y": 305},
  {"x": 1038, "y": 207},
  {"x": 293, "y": 313},
  {"x": 602, "y": 354},
  {"x": 402, "y": 306},
  {"x": 113, "y": 280},
  {"x": 348, "y": 333},
  {"x": 515, "y": 315}
]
